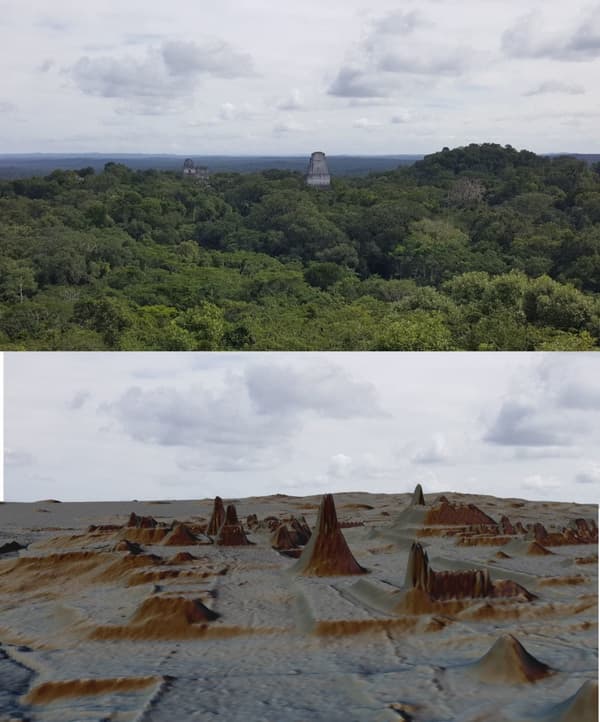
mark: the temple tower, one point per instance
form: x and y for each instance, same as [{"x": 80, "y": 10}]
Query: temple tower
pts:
[{"x": 317, "y": 174}]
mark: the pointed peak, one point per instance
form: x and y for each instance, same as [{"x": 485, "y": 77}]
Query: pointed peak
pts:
[
  {"x": 580, "y": 707},
  {"x": 217, "y": 517},
  {"x": 327, "y": 521},
  {"x": 327, "y": 552},
  {"x": 231, "y": 516},
  {"x": 417, "y": 498},
  {"x": 507, "y": 661}
]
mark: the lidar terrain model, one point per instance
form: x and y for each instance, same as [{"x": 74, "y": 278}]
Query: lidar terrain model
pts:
[{"x": 363, "y": 607}]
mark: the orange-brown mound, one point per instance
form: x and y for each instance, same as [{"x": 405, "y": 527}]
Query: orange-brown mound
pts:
[
  {"x": 469, "y": 584},
  {"x": 357, "y": 506},
  {"x": 181, "y": 557},
  {"x": 172, "y": 609},
  {"x": 327, "y": 553},
  {"x": 346, "y": 627},
  {"x": 141, "y": 522},
  {"x": 579, "y": 531},
  {"x": 482, "y": 540},
  {"x": 77, "y": 541},
  {"x": 180, "y": 536},
  {"x": 126, "y": 546},
  {"x": 560, "y": 581},
  {"x": 281, "y": 539},
  {"x": 536, "y": 549},
  {"x": 52, "y": 691},
  {"x": 502, "y": 555},
  {"x": 187, "y": 631},
  {"x": 33, "y": 573},
  {"x": 417, "y": 602},
  {"x": 144, "y": 535},
  {"x": 150, "y": 577},
  {"x": 125, "y": 565},
  {"x": 231, "y": 532},
  {"x": 457, "y": 514},
  {"x": 593, "y": 559},
  {"x": 508, "y": 662}
]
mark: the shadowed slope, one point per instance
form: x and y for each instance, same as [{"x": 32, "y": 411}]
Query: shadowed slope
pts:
[
  {"x": 327, "y": 553},
  {"x": 508, "y": 662},
  {"x": 581, "y": 707}
]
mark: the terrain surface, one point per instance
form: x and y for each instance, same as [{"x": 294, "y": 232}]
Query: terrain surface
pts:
[{"x": 354, "y": 607}]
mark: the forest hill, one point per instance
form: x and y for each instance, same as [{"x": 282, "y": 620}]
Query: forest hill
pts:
[{"x": 481, "y": 247}]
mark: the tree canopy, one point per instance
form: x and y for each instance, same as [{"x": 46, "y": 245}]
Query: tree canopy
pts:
[{"x": 478, "y": 248}]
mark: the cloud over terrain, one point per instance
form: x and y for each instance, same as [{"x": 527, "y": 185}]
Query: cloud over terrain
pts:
[{"x": 108, "y": 426}]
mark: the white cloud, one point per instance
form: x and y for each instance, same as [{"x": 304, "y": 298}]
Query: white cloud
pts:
[
  {"x": 366, "y": 124},
  {"x": 435, "y": 452},
  {"x": 294, "y": 101}
]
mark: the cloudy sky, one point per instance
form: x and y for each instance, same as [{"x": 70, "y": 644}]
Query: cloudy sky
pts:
[
  {"x": 267, "y": 77},
  {"x": 148, "y": 426}
]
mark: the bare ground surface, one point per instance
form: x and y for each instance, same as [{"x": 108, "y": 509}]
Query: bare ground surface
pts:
[{"x": 91, "y": 631}]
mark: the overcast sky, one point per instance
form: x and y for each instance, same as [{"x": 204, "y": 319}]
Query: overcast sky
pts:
[
  {"x": 271, "y": 77},
  {"x": 150, "y": 426}
]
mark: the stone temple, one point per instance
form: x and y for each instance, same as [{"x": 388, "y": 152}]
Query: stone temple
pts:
[
  {"x": 317, "y": 174},
  {"x": 191, "y": 170}
]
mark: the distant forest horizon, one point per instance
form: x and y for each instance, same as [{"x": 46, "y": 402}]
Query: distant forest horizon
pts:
[{"x": 27, "y": 165}]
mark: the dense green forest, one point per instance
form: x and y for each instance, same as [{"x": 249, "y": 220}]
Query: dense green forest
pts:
[{"x": 479, "y": 248}]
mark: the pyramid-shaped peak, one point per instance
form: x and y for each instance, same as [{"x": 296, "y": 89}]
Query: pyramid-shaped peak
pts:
[
  {"x": 417, "y": 498},
  {"x": 232, "y": 532},
  {"x": 327, "y": 552},
  {"x": 581, "y": 707},
  {"x": 508, "y": 662}
]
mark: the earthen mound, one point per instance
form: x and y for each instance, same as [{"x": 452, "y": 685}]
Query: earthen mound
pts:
[
  {"x": 128, "y": 546},
  {"x": 299, "y": 530},
  {"x": 181, "y": 557},
  {"x": 417, "y": 498},
  {"x": 578, "y": 531},
  {"x": 281, "y": 539},
  {"x": 217, "y": 517},
  {"x": 537, "y": 550},
  {"x": 502, "y": 555},
  {"x": 163, "y": 610},
  {"x": 182, "y": 536},
  {"x": 12, "y": 546},
  {"x": 508, "y": 662},
  {"x": 141, "y": 522},
  {"x": 327, "y": 553},
  {"x": 144, "y": 535},
  {"x": 445, "y": 513},
  {"x": 65, "y": 689},
  {"x": 506, "y": 527},
  {"x": 469, "y": 584},
  {"x": 232, "y": 533},
  {"x": 581, "y": 707}
]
